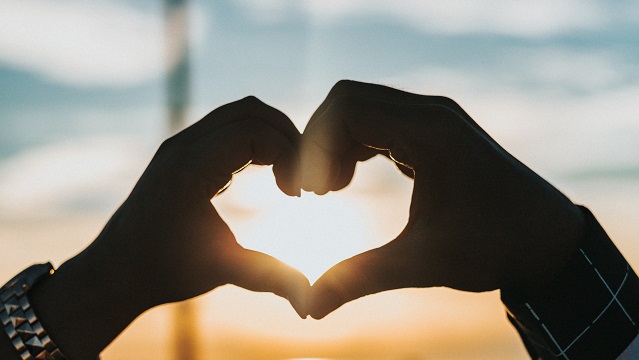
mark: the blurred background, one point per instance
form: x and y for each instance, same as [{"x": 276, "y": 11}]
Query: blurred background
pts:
[{"x": 89, "y": 89}]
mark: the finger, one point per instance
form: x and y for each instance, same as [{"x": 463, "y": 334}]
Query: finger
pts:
[
  {"x": 348, "y": 125},
  {"x": 249, "y": 107},
  {"x": 317, "y": 168},
  {"x": 369, "y": 91},
  {"x": 218, "y": 156},
  {"x": 406, "y": 170},
  {"x": 391, "y": 95},
  {"x": 350, "y": 88},
  {"x": 348, "y": 163},
  {"x": 257, "y": 271},
  {"x": 386, "y": 268}
]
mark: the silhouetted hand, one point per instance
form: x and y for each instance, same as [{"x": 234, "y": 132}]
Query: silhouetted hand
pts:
[
  {"x": 167, "y": 242},
  {"x": 479, "y": 219},
  {"x": 168, "y": 230}
]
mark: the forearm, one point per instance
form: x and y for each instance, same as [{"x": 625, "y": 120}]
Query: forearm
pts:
[
  {"x": 77, "y": 309},
  {"x": 588, "y": 311}
]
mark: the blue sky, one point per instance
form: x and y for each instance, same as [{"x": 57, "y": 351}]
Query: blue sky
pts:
[{"x": 555, "y": 82}]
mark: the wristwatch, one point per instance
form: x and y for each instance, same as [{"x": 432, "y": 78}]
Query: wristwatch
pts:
[{"x": 20, "y": 322}]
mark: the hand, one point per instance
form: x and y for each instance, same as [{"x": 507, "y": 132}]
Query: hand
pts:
[
  {"x": 167, "y": 242},
  {"x": 479, "y": 219},
  {"x": 169, "y": 233}
]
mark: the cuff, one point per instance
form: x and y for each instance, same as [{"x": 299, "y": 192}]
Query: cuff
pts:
[{"x": 589, "y": 311}]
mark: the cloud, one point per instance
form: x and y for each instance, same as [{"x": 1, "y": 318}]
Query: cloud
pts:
[
  {"x": 570, "y": 69},
  {"x": 525, "y": 18},
  {"x": 271, "y": 11},
  {"x": 556, "y": 132},
  {"x": 88, "y": 42},
  {"x": 89, "y": 174}
]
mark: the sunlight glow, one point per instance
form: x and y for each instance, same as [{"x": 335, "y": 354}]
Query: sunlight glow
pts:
[{"x": 310, "y": 233}]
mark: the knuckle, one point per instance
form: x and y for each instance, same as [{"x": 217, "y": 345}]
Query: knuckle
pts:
[
  {"x": 251, "y": 102},
  {"x": 342, "y": 87},
  {"x": 171, "y": 151},
  {"x": 167, "y": 145},
  {"x": 446, "y": 102}
]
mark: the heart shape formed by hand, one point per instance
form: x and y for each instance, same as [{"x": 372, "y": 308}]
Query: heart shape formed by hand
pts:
[
  {"x": 313, "y": 233},
  {"x": 469, "y": 200}
]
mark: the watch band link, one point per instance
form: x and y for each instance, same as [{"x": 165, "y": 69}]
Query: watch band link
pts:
[{"x": 20, "y": 322}]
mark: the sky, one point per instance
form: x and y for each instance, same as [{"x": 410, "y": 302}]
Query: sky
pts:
[
  {"x": 543, "y": 75},
  {"x": 82, "y": 100}
]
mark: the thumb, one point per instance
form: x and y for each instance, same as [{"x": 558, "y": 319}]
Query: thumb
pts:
[
  {"x": 367, "y": 273},
  {"x": 260, "y": 272}
]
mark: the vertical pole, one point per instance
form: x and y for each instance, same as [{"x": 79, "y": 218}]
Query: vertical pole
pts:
[
  {"x": 178, "y": 62},
  {"x": 184, "y": 321}
]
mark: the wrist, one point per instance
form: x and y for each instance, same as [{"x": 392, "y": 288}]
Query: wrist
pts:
[
  {"x": 555, "y": 242},
  {"x": 588, "y": 310},
  {"x": 85, "y": 304}
]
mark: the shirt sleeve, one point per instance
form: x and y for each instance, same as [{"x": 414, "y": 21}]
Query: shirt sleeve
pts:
[{"x": 589, "y": 311}]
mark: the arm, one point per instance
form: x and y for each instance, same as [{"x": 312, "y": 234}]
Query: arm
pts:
[
  {"x": 479, "y": 219},
  {"x": 166, "y": 242},
  {"x": 589, "y": 309}
]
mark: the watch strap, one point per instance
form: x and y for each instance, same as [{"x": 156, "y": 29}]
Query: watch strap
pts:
[{"x": 19, "y": 320}]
